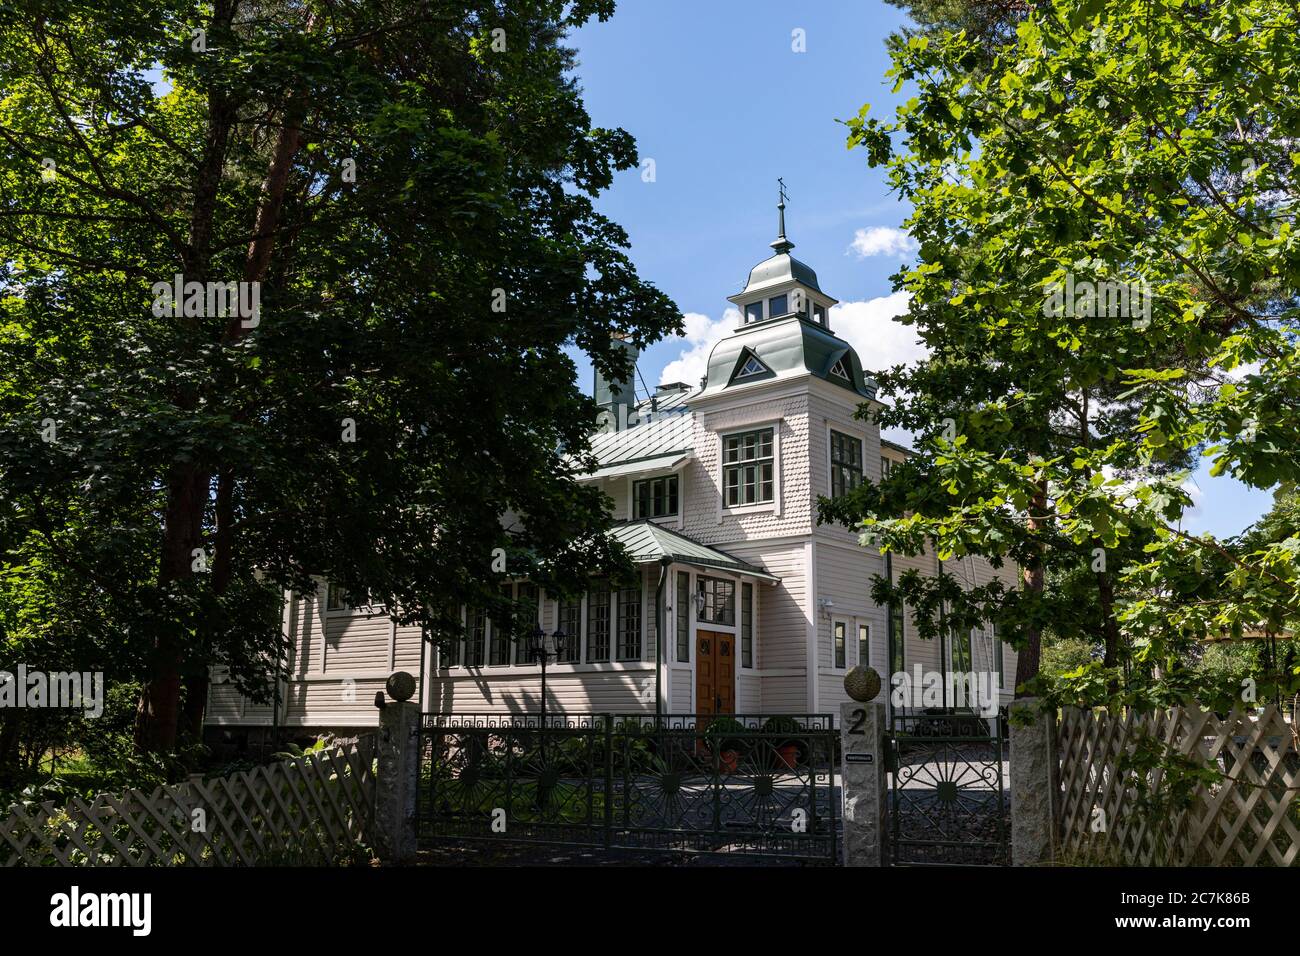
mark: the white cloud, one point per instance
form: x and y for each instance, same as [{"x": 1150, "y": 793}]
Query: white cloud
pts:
[
  {"x": 867, "y": 325},
  {"x": 870, "y": 328},
  {"x": 702, "y": 333},
  {"x": 882, "y": 241}
]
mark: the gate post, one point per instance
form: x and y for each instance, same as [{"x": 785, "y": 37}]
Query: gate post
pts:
[
  {"x": 1035, "y": 782},
  {"x": 397, "y": 781},
  {"x": 863, "y": 779}
]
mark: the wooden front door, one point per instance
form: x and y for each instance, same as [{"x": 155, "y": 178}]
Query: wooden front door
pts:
[{"x": 715, "y": 673}]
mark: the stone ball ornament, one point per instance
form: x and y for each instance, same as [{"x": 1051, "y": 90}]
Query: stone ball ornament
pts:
[
  {"x": 862, "y": 683},
  {"x": 400, "y": 685}
]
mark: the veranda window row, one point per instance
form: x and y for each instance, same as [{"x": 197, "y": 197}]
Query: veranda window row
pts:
[{"x": 603, "y": 625}]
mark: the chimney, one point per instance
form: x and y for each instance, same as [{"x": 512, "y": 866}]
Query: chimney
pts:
[{"x": 617, "y": 399}]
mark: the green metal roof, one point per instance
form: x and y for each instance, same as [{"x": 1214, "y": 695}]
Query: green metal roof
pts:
[
  {"x": 646, "y": 441},
  {"x": 648, "y": 543},
  {"x": 778, "y": 269},
  {"x": 788, "y": 346}
]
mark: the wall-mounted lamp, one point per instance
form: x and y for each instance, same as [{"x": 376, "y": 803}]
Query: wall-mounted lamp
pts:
[{"x": 827, "y": 605}]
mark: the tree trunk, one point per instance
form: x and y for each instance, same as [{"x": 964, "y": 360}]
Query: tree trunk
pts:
[
  {"x": 1110, "y": 627},
  {"x": 158, "y": 714},
  {"x": 1029, "y": 656}
]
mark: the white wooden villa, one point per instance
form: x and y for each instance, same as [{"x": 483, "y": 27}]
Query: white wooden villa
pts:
[{"x": 715, "y": 489}]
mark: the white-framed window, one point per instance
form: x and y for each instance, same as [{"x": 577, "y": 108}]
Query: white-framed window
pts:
[
  {"x": 627, "y": 645},
  {"x": 999, "y": 663},
  {"x": 683, "y": 611},
  {"x": 846, "y": 463},
  {"x": 747, "y": 625},
  {"x": 499, "y": 633},
  {"x": 886, "y": 465},
  {"x": 655, "y": 497},
  {"x": 839, "y": 640},
  {"x": 864, "y": 644},
  {"x": 718, "y": 605},
  {"x": 569, "y": 615},
  {"x": 599, "y": 619},
  {"x": 749, "y": 467},
  {"x": 476, "y": 625},
  {"x": 338, "y": 599}
]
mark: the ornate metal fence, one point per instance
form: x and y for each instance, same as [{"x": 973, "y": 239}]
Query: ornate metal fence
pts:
[
  {"x": 743, "y": 784},
  {"x": 1181, "y": 787},
  {"x": 947, "y": 801}
]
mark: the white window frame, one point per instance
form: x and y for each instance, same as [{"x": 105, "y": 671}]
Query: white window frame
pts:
[
  {"x": 753, "y": 624},
  {"x": 774, "y": 505},
  {"x": 830, "y": 451},
  {"x": 679, "y": 519},
  {"x": 847, "y": 622},
  {"x": 858, "y": 626}
]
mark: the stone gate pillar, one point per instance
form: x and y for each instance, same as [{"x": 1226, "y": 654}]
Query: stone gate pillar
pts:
[
  {"x": 863, "y": 778},
  {"x": 1035, "y": 783},
  {"x": 397, "y": 780}
]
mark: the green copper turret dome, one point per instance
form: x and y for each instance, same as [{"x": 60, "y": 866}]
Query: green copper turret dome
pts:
[{"x": 785, "y": 348}]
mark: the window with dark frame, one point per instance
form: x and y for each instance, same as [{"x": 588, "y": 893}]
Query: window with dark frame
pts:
[
  {"x": 337, "y": 599},
  {"x": 450, "y": 653},
  {"x": 475, "y": 637},
  {"x": 747, "y": 625},
  {"x": 864, "y": 645},
  {"x": 778, "y": 305},
  {"x": 959, "y": 651},
  {"x": 571, "y": 625},
  {"x": 846, "y": 463},
  {"x": 748, "y": 468},
  {"x": 754, "y": 312},
  {"x": 598, "y": 601},
  {"x": 998, "y": 662},
  {"x": 897, "y": 635},
  {"x": 628, "y": 644},
  {"x": 683, "y": 617},
  {"x": 499, "y": 639},
  {"x": 527, "y": 594},
  {"x": 839, "y": 643},
  {"x": 655, "y": 497},
  {"x": 719, "y": 601}
]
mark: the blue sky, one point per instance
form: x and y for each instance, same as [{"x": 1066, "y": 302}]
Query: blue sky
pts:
[{"x": 718, "y": 98}]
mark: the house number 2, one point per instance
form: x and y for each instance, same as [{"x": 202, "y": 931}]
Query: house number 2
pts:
[{"x": 859, "y": 717}]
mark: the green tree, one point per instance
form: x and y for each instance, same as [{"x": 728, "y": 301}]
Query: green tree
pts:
[
  {"x": 1135, "y": 146},
  {"x": 408, "y": 187}
]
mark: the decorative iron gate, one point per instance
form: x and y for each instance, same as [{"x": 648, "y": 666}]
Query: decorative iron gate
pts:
[
  {"x": 948, "y": 802},
  {"x": 706, "y": 784}
]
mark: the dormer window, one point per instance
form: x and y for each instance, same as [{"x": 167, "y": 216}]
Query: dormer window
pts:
[
  {"x": 778, "y": 305},
  {"x": 839, "y": 371},
  {"x": 754, "y": 312},
  {"x": 749, "y": 367}
]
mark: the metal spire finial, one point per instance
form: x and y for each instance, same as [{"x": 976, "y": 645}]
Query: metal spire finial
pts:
[{"x": 782, "y": 244}]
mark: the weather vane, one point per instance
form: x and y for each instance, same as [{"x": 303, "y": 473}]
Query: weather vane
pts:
[{"x": 782, "y": 244}]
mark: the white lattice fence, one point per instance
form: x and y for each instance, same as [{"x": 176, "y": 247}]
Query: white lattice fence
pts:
[
  {"x": 1233, "y": 797},
  {"x": 309, "y": 810}
]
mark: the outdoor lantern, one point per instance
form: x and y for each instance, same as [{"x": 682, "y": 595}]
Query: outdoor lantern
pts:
[
  {"x": 537, "y": 644},
  {"x": 700, "y": 598},
  {"x": 559, "y": 636}
]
